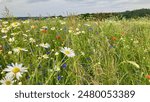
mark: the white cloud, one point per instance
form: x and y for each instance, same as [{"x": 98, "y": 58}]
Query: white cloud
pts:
[
  {"x": 60, "y": 7},
  {"x": 34, "y": 1},
  {"x": 1, "y": 1}
]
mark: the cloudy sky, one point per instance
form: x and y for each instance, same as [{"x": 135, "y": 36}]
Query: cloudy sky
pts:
[{"x": 65, "y": 7}]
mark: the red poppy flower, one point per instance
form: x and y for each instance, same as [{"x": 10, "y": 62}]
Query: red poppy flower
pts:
[
  {"x": 114, "y": 38},
  {"x": 122, "y": 33},
  {"x": 44, "y": 29},
  {"x": 58, "y": 37},
  {"x": 148, "y": 77}
]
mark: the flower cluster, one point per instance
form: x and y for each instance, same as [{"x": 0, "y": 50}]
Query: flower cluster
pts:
[{"x": 13, "y": 71}]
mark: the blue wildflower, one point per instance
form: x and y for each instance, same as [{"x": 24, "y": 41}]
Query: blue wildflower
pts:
[
  {"x": 48, "y": 52},
  {"x": 59, "y": 77},
  {"x": 64, "y": 65},
  {"x": 28, "y": 77}
]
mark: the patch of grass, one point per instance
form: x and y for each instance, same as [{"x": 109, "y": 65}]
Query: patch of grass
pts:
[{"x": 106, "y": 52}]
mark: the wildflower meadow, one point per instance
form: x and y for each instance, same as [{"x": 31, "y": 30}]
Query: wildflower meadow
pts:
[{"x": 73, "y": 51}]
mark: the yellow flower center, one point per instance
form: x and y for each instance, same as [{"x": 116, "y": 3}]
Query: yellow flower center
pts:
[
  {"x": 67, "y": 52},
  {"x": 19, "y": 48},
  {"x": 7, "y": 82},
  {"x": 16, "y": 70}
]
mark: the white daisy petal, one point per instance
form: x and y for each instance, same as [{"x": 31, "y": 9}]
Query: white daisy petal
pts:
[
  {"x": 10, "y": 74},
  {"x": 15, "y": 70},
  {"x": 18, "y": 75},
  {"x": 7, "y": 81},
  {"x": 44, "y": 45},
  {"x": 68, "y": 52}
]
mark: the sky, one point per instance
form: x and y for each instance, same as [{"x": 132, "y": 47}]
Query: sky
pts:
[{"x": 22, "y": 8}]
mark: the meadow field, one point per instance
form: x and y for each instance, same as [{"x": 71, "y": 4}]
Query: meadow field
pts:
[{"x": 73, "y": 51}]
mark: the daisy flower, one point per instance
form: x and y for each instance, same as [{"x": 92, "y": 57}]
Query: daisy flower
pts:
[
  {"x": 70, "y": 31},
  {"x": 9, "y": 52},
  {"x": 53, "y": 28},
  {"x": 15, "y": 70},
  {"x": 5, "y": 23},
  {"x": 15, "y": 24},
  {"x": 46, "y": 45},
  {"x": 77, "y": 29},
  {"x": 68, "y": 52},
  {"x": 20, "y": 83},
  {"x": 32, "y": 40},
  {"x": 4, "y": 30},
  {"x": 44, "y": 29},
  {"x": 11, "y": 39},
  {"x": 56, "y": 54},
  {"x": 4, "y": 37},
  {"x": 18, "y": 50},
  {"x": 83, "y": 32},
  {"x": 45, "y": 56},
  {"x": 14, "y": 34},
  {"x": 7, "y": 81},
  {"x": 62, "y": 22},
  {"x": 26, "y": 22}
]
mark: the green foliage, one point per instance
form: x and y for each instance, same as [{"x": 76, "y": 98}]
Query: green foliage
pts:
[
  {"x": 120, "y": 15},
  {"x": 109, "y": 52}
]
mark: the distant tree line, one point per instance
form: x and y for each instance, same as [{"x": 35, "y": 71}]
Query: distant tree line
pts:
[
  {"x": 119, "y": 15},
  {"x": 127, "y": 14}
]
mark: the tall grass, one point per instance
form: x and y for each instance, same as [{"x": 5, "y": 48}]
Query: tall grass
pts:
[{"x": 107, "y": 52}]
